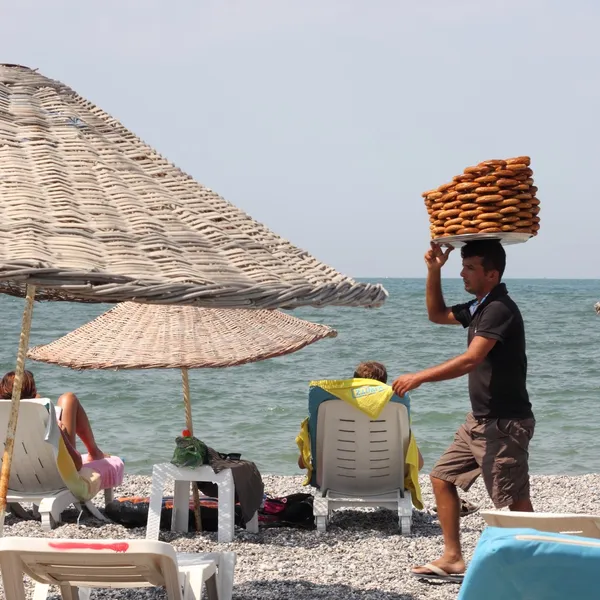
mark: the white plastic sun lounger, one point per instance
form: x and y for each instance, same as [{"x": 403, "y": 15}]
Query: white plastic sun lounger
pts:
[
  {"x": 360, "y": 461},
  {"x": 77, "y": 566},
  {"x": 34, "y": 476},
  {"x": 570, "y": 523}
]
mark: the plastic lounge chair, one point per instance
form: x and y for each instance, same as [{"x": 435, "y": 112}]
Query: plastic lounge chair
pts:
[
  {"x": 77, "y": 566},
  {"x": 569, "y": 523},
  {"x": 35, "y": 477},
  {"x": 360, "y": 461}
]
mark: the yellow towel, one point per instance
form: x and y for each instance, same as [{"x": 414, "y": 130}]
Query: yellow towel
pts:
[
  {"x": 83, "y": 484},
  {"x": 411, "y": 475},
  {"x": 370, "y": 397},
  {"x": 303, "y": 442}
]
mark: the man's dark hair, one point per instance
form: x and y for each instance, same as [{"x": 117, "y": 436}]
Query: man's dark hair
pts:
[{"x": 491, "y": 252}]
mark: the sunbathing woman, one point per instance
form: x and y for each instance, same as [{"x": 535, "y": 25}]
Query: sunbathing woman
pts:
[{"x": 72, "y": 419}]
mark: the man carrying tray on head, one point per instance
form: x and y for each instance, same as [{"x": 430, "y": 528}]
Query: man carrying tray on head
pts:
[{"x": 494, "y": 440}]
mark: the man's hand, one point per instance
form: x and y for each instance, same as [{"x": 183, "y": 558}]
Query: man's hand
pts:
[
  {"x": 435, "y": 258},
  {"x": 406, "y": 383}
]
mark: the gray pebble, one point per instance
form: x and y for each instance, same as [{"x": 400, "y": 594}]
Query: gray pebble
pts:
[{"x": 361, "y": 556}]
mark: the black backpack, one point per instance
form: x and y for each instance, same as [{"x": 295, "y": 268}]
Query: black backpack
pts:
[{"x": 295, "y": 510}]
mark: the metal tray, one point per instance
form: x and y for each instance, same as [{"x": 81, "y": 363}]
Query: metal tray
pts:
[{"x": 505, "y": 237}]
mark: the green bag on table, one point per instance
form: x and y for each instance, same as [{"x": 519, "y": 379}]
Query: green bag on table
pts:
[{"x": 189, "y": 451}]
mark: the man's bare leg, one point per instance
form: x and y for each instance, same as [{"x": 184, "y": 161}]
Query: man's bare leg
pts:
[
  {"x": 522, "y": 506},
  {"x": 75, "y": 422},
  {"x": 448, "y": 504}
]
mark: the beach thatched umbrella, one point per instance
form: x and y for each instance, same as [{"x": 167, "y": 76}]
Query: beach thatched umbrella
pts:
[
  {"x": 89, "y": 212},
  {"x": 141, "y": 336}
]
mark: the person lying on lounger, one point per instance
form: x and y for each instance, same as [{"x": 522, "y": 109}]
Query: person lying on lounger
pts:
[{"x": 72, "y": 418}]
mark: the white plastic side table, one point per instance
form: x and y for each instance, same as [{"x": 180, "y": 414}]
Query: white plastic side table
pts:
[{"x": 183, "y": 477}]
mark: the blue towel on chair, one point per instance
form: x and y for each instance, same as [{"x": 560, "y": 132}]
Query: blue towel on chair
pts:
[{"x": 526, "y": 564}]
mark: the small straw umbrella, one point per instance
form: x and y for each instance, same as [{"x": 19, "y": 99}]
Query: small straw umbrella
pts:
[
  {"x": 141, "y": 336},
  {"x": 89, "y": 212}
]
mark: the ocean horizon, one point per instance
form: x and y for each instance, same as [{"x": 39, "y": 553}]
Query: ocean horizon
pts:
[{"x": 256, "y": 409}]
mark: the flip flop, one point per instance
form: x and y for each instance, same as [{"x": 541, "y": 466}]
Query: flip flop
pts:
[
  {"x": 438, "y": 574},
  {"x": 466, "y": 508}
]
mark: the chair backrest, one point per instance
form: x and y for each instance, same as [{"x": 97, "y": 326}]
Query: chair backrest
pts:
[
  {"x": 568, "y": 523},
  {"x": 357, "y": 455},
  {"x": 33, "y": 467},
  {"x": 94, "y": 563}
]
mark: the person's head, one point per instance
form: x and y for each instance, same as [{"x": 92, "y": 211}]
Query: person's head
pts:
[
  {"x": 483, "y": 265},
  {"x": 371, "y": 370},
  {"x": 28, "y": 389}
]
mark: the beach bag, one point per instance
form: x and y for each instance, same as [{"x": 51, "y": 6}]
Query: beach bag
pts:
[
  {"x": 295, "y": 510},
  {"x": 189, "y": 451},
  {"x": 133, "y": 511}
]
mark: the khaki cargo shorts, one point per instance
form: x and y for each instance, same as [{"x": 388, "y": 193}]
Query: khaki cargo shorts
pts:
[{"x": 497, "y": 449}]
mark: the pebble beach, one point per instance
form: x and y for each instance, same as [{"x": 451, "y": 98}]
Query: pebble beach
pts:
[{"x": 361, "y": 556}]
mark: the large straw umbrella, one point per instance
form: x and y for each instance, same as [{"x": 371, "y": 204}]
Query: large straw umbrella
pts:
[
  {"x": 89, "y": 212},
  {"x": 141, "y": 336}
]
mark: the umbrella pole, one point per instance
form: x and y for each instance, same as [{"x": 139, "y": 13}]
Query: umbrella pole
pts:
[
  {"x": 11, "y": 430},
  {"x": 188, "y": 423}
]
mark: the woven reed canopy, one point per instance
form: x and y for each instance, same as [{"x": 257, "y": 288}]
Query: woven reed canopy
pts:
[
  {"x": 89, "y": 212},
  {"x": 140, "y": 336}
]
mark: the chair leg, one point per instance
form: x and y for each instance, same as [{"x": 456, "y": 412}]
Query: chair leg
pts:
[
  {"x": 41, "y": 591},
  {"x": 52, "y": 508},
  {"x": 181, "y": 504},
  {"x": 18, "y": 511},
  {"x": 48, "y": 521},
  {"x": 96, "y": 513},
  {"x": 68, "y": 592},
  {"x": 211, "y": 588},
  {"x": 109, "y": 495},
  {"x": 405, "y": 513},
  {"x": 195, "y": 580},
  {"x": 85, "y": 593},
  {"x": 12, "y": 577},
  {"x": 405, "y": 524},
  {"x": 252, "y": 524},
  {"x": 156, "y": 494},
  {"x": 226, "y": 514},
  {"x": 225, "y": 573},
  {"x": 321, "y": 512}
]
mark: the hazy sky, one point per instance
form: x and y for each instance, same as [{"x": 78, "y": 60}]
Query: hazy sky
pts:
[{"x": 326, "y": 119}]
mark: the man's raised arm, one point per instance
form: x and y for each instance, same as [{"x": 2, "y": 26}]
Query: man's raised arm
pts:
[{"x": 437, "y": 311}]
